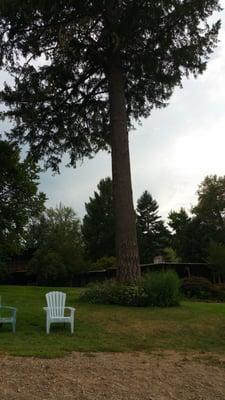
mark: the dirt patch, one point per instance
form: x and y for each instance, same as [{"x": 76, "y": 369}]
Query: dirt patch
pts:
[{"x": 127, "y": 376}]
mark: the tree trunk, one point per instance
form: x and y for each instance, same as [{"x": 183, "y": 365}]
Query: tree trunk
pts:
[{"x": 125, "y": 221}]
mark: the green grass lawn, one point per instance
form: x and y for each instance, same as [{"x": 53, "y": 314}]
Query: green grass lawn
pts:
[{"x": 192, "y": 326}]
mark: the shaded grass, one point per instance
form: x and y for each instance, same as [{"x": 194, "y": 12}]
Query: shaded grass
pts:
[{"x": 192, "y": 326}]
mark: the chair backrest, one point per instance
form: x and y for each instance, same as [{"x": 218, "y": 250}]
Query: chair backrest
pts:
[{"x": 56, "y": 303}]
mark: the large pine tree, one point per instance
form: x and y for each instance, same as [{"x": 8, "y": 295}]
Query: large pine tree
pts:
[{"x": 84, "y": 69}]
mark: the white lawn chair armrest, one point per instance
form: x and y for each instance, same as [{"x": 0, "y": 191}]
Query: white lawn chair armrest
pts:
[
  {"x": 12, "y": 309},
  {"x": 46, "y": 309},
  {"x": 72, "y": 309}
]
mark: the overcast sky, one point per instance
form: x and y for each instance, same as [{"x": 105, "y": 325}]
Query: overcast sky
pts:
[{"x": 171, "y": 153}]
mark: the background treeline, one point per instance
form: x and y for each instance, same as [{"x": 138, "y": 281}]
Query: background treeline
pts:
[
  {"x": 193, "y": 236},
  {"x": 61, "y": 246}
]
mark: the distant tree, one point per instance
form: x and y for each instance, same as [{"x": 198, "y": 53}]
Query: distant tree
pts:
[
  {"x": 170, "y": 255},
  {"x": 20, "y": 200},
  {"x": 107, "y": 63},
  {"x": 192, "y": 235},
  {"x": 99, "y": 224},
  {"x": 216, "y": 258},
  {"x": 190, "y": 238},
  {"x": 196, "y": 239},
  {"x": 210, "y": 208},
  {"x": 207, "y": 224},
  {"x": 153, "y": 236},
  {"x": 59, "y": 254},
  {"x": 179, "y": 221}
]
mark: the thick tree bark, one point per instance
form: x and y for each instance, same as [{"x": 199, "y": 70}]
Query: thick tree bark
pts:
[{"x": 125, "y": 221}]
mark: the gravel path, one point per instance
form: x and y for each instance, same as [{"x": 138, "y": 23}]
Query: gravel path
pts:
[{"x": 114, "y": 376}]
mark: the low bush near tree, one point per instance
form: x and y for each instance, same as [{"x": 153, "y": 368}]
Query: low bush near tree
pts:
[
  {"x": 155, "y": 289},
  {"x": 111, "y": 292},
  {"x": 202, "y": 289}
]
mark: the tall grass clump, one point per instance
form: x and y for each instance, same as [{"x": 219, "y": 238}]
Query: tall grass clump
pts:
[{"x": 162, "y": 288}]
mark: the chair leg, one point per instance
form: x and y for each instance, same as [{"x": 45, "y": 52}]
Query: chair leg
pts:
[
  {"x": 48, "y": 323},
  {"x": 14, "y": 326},
  {"x": 72, "y": 326}
]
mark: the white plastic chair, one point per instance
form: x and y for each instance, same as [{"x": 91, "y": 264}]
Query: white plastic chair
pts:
[
  {"x": 10, "y": 317},
  {"x": 55, "y": 312}
]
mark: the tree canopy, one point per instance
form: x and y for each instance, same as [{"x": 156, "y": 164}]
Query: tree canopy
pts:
[
  {"x": 20, "y": 200},
  {"x": 216, "y": 258},
  {"x": 84, "y": 70},
  {"x": 193, "y": 235},
  {"x": 59, "y": 250},
  {"x": 62, "y": 104},
  {"x": 211, "y": 205}
]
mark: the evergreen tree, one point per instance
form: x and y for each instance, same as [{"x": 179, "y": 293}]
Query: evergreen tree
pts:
[
  {"x": 153, "y": 236},
  {"x": 84, "y": 70},
  {"x": 98, "y": 223}
]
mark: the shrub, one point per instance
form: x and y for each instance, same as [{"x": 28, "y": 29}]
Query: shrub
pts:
[
  {"x": 196, "y": 286},
  {"x": 155, "y": 289},
  {"x": 220, "y": 286},
  {"x": 96, "y": 293},
  {"x": 115, "y": 293},
  {"x": 202, "y": 289},
  {"x": 128, "y": 295},
  {"x": 103, "y": 263},
  {"x": 162, "y": 288}
]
